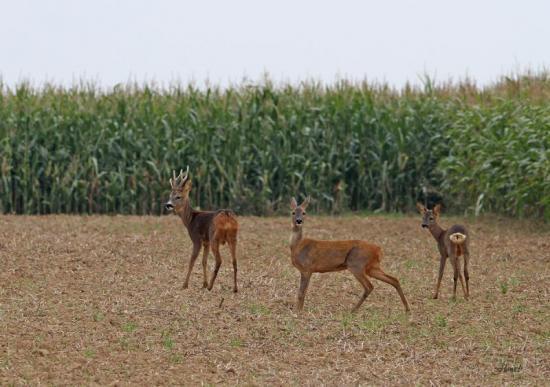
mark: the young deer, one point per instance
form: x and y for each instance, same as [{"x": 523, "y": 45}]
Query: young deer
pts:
[
  {"x": 319, "y": 256},
  {"x": 208, "y": 229},
  {"x": 452, "y": 243}
]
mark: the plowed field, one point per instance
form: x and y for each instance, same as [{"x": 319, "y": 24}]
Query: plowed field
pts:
[{"x": 99, "y": 300}]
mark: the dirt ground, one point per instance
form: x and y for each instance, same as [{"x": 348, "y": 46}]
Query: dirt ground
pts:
[{"x": 99, "y": 300}]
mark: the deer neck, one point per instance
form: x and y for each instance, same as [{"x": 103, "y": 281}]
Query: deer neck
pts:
[
  {"x": 186, "y": 212},
  {"x": 436, "y": 231},
  {"x": 295, "y": 237}
]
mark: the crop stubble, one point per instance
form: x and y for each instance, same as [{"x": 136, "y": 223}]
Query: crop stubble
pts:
[{"x": 98, "y": 299}]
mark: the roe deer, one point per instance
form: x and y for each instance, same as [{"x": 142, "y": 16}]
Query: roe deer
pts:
[
  {"x": 208, "y": 229},
  {"x": 320, "y": 256},
  {"x": 452, "y": 243}
]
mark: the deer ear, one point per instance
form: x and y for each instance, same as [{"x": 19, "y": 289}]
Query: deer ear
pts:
[
  {"x": 305, "y": 203},
  {"x": 420, "y": 207},
  {"x": 293, "y": 203},
  {"x": 187, "y": 185},
  {"x": 437, "y": 209}
]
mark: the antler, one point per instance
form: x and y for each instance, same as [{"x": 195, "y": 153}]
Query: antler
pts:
[
  {"x": 173, "y": 180},
  {"x": 186, "y": 175},
  {"x": 179, "y": 181}
]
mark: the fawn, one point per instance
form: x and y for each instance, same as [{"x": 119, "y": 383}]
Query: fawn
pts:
[
  {"x": 206, "y": 228},
  {"x": 320, "y": 256},
  {"x": 452, "y": 243}
]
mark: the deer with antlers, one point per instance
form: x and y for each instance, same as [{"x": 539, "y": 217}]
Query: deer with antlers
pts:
[
  {"x": 452, "y": 243},
  {"x": 310, "y": 256},
  {"x": 207, "y": 229}
]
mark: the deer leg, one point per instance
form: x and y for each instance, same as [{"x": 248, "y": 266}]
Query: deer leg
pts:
[
  {"x": 194, "y": 255},
  {"x": 205, "y": 251},
  {"x": 216, "y": 251},
  {"x": 367, "y": 285},
  {"x": 380, "y": 275},
  {"x": 304, "y": 282},
  {"x": 461, "y": 278},
  {"x": 442, "y": 262},
  {"x": 454, "y": 262},
  {"x": 466, "y": 274},
  {"x": 233, "y": 251}
]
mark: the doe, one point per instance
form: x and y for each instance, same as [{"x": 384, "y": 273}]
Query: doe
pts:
[
  {"x": 310, "y": 256},
  {"x": 452, "y": 243},
  {"x": 208, "y": 229}
]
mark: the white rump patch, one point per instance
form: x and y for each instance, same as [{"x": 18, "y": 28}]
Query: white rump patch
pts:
[{"x": 457, "y": 237}]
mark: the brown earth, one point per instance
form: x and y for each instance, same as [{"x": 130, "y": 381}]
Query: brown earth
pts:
[{"x": 98, "y": 300}]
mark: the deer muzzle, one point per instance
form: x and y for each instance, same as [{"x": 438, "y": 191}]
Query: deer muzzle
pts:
[{"x": 169, "y": 206}]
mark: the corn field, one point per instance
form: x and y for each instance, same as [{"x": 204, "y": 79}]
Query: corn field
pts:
[{"x": 351, "y": 146}]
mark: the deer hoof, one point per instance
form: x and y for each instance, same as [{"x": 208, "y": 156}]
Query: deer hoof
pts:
[
  {"x": 235, "y": 290},
  {"x": 185, "y": 286},
  {"x": 204, "y": 285}
]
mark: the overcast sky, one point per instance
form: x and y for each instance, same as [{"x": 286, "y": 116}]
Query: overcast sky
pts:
[{"x": 110, "y": 41}]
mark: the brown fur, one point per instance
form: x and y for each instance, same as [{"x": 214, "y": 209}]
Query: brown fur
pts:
[
  {"x": 448, "y": 248},
  {"x": 207, "y": 229},
  {"x": 310, "y": 256}
]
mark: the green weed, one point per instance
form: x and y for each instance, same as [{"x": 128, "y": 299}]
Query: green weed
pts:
[
  {"x": 236, "y": 343},
  {"x": 258, "y": 309},
  {"x": 98, "y": 316},
  {"x": 129, "y": 327},
  {"x": 89, "y": 353},
  {"x": 440, "y": 321}
]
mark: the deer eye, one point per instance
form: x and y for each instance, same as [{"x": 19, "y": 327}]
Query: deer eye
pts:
[
  {"x": 303, "y": 213},
  {"x": 293, "y": 213},
  {"x": 178, "y": 197}
]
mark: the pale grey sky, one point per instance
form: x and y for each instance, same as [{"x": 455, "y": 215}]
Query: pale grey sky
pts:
[{"x": 111, "y": 41}]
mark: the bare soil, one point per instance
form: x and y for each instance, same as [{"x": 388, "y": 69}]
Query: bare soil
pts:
[{"x": 99, "y": 300}]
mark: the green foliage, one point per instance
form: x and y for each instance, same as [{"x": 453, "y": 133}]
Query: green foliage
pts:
[
  {"x": 129, "y": 327},
  {"x": 350, "y": 146},
  {"x": 167, "y": 341},
  {"x": 499, "y": 159},
  {"x": 504, "y": 287},
  {"x": 236, "y": 342},
  {"x": 258, "y": 309},
  {"x": 98, "y": 316},
  {"x": 440, "y": 321},
  {"x": 89, "y": 353}
]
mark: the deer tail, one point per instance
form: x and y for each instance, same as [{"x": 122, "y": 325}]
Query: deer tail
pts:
[
  {"x": 457, "y": 238},
  {"x": 230, "y": 219},
  {"x": 229, "y": 213}
]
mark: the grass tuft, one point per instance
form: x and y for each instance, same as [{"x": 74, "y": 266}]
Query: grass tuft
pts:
[
  {"x": 129, "y": 327},
  {"x": 440, "y": 321}
]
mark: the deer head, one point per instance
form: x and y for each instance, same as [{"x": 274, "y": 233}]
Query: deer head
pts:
[
  {"x": 429, "y": 217},
  {"x": 298, "y": 211},
  {"x": 180, "y": 186}
]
